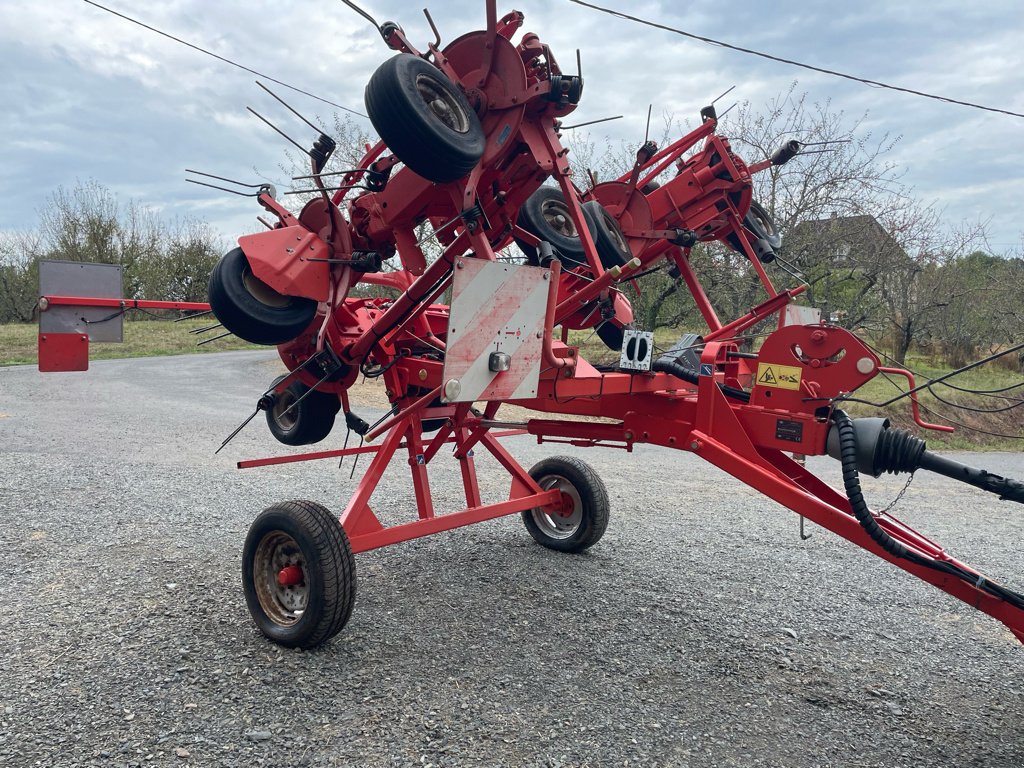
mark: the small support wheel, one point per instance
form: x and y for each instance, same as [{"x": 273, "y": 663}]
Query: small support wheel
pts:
[
  {"x": 308, "y": 422},
  {"x": 299, "y": 574},
  {"x": 424, "y": 119},
  {"x": 583, "y": 518},
  {"x": 250, "y": 308}
]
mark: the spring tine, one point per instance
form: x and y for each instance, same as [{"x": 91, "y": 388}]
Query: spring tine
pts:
[
  {"x": 206, "y": 328},
  {"x": 728, "y": 110},
  {"x": 355, "y": 461},
  {"x": 222, "y": 178},
  {"x": 190, "y": 317},
  {"x": 362, "y": 13},
  {"x": 306, "y": 394},
  {"x": 287, "y": 106},
  {"x": 224, "y": 189},
  {"x": 726, "y": 92},
  {"x": 591, "y": 122},
  {"x": 215, "y": 338},
  {"x": 282, "y": 133},
  {"x": 348, "y": 431},
  {"x": 238, "y": 429}
]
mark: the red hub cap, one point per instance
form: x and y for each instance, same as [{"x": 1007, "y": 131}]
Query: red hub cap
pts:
[{"x": 289, "y": 576}]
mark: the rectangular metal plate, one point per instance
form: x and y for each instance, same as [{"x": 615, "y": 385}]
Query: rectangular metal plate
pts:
[
  {"x": 637, "y": 350},
  {"x": 800, "y": 315},
  {"x": 63, "y": 352},
  {"x": 84, "y": 279},
  {"x": 495, "y": 307}
]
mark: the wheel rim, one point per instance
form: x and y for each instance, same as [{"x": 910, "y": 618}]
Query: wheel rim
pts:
[
  {"x": 283, "y": 604},
  {"x": 283, "y": 413},
  {"x": 559, "y": 525},
  {"x": 442, "y": 103},
  {"x": 556, "y": 214},
  {"x": 262, "y": 292}
]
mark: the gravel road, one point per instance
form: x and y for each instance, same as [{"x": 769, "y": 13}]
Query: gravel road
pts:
[{"x": 701, "y": 631}]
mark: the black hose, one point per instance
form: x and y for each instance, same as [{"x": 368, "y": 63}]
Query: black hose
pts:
[
  {"x": 851, "y": 482},
  {"x": 691, "y": 376}
]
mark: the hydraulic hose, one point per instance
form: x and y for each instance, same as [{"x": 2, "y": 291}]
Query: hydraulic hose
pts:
[
  {"x": 905, "y": 447},
  {"x": 691, "y": 376}
]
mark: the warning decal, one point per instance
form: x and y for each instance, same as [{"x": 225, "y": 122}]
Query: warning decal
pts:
[{"x": 781, "y": 376}]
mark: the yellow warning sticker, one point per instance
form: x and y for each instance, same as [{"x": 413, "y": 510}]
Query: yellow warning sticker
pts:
[{"x": 781, "y": 376}]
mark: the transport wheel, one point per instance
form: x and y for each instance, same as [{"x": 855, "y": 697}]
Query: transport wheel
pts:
[
  {"x": 612, "y": 248},
  {"x": 649, "y": 187},
  {"x": 299, "y": 574},
  {"x": 250, "y": 308},
  {"x": 424, "y": 119},
  {"x": 310, "y": 422},
  {"x": 546, "y": 215},
  {"x": 584, "y": 515}
]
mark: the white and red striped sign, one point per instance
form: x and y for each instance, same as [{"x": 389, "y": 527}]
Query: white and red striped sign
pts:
[{"x": 495, "y": 307}]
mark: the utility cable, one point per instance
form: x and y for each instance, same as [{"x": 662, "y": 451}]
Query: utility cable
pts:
[
  {"x": 791, "y": 62},
  {"x": 222, "y": 58}
]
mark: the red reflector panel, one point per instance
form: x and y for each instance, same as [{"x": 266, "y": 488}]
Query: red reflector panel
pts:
[{"x": 63, "y": 352}]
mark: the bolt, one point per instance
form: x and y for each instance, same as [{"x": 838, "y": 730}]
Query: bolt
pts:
[
  {"x": 695, "y": 445},
  {"x": 818, "y": 336},
  {"x": 422, "y": 374}
]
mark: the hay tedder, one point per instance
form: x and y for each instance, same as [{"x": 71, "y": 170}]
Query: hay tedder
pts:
[{"x": 470, "y": 132}]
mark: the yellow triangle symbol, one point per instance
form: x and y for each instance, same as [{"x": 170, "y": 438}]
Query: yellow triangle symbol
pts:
[{"x": 767, "y": 377}]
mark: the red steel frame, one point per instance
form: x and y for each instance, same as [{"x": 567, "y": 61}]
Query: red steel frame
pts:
[{"x": 512, "y": 88}]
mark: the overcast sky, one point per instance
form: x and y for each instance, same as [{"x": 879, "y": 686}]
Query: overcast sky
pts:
[{"x": 87, "y": 95}]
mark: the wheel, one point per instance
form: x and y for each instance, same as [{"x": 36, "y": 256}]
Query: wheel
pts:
[
  {"x": 250, "y": 308},
  {"x": 649, "y": 187},
  {"x": 612, "y": 248},
  {"x": 546, "y": 215},
  {"x": 310, "y": 422},
  {"x": 760, "y": 222},
  {"x": 299, "y": 574},
  {"x": 424, "y": 119},
  {"x": 612, "y": 334},
  {"x": 584, "y": 516}
]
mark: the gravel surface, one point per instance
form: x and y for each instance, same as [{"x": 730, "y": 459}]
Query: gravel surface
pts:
[{"x": 701, "y": 631}]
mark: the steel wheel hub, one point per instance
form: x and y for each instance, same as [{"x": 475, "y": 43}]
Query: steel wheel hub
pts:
[
  {"x": 563, "y": 523},
  {"x": 279, "y": 577}
]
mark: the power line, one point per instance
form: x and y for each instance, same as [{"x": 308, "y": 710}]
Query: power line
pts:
[
  {"x": 822, "y": 70},
  {"x": 221, "y": 58}
]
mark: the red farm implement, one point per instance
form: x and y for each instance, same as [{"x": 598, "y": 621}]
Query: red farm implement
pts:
[{"x": 470, "y": 134}]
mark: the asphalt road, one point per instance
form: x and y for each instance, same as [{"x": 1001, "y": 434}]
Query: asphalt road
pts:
[{"x": 700, "y": 631}]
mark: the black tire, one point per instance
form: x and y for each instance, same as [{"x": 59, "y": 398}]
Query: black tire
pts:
[
  {"x": 310, "y": 422},
  {"x": 424, "y": 119},
  {"x": 612, "y": 334},
  {"x": 583, "y": 487},
  {"x": 309, "y": 536},
  {"x": 761, "y": 223},
  {"x": 612, "y": 248},
  {"x": 546, "y": 215},
  {"x": 250, "y": 308},
  {"x": 649, "y": 187}
]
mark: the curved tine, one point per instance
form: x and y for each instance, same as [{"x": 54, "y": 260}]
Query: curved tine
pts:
[
  {"x": 362, "y": 13},
  {"x": 224, "y": 189},
  {"x": 222, "y": 178}
]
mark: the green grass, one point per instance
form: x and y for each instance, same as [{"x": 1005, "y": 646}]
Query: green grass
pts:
[{"x": 144, "y": 338}]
